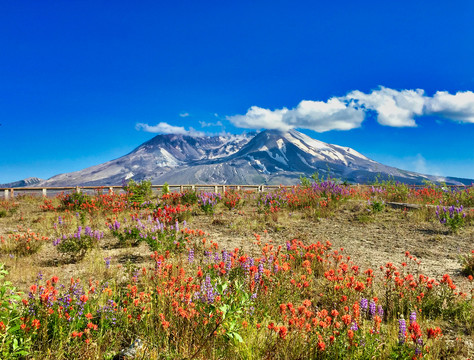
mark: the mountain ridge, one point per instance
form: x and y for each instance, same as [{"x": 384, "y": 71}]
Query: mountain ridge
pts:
[{"x": 267, "y": 157}]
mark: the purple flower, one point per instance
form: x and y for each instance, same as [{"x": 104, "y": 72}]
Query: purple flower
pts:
[
  {"x": 372, "y": 308},
  {"x": 402, "y": 329},
  {"x": 412, "y": 317}
]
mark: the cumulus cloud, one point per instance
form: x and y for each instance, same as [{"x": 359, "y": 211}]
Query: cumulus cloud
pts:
[
  {"x": 396, "y": 108},
  {"x": 257, "y": 118},
  {"x": 459, "y": 106},
  {"x": 393, "y": 108},
  {"x": 321, "y": 116},
  {"x": 165, "y": 128},
  {"x": 185, "y": 114}
]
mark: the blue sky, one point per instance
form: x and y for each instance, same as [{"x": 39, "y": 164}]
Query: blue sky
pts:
[{"x": 78, "y": 76}]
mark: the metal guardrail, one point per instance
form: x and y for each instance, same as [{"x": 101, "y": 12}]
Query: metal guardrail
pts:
[{"x": 9, "y": 193}]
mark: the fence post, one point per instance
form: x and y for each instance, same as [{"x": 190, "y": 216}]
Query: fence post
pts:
[
  {"x": 223, "y": 189},
  {"x": 44, "y": 192},
  {"x": 78, "y": 190},
  {"x": 215, "y": 188},
  {"x": 181, "y": 188},
  {"x": 111, "y": 190},
  {"x": 13, "y": 193},
  {"x": 193, "y": 187},
  {"x": 7, "y": 194}
]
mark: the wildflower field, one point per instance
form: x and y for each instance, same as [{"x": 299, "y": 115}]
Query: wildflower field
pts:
[{"x": 316, "y": 271}]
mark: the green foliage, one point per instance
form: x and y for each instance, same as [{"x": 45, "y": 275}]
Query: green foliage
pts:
[
  {"x": 377, "y": 206},
  {"x": 77, "y": 245},
  {"x": 451, "y": 217},
  {"x": 12, "y": 342},
  {"x": 138, "y": 192},
  {"x": 305, "y": 182},
  {"x": 166, "y": 189},
  {"x": 75, "y": 200},
  {"x": 467, "y": 262},
  {"x": 189, "y": 198}
]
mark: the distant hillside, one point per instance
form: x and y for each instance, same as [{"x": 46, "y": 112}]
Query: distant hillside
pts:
[{"x": 31, "y": 181}]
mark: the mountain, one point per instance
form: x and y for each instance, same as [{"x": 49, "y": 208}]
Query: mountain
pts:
[
  {"x": 269, "y": 157},
  {"x": 31, "y": 181}
]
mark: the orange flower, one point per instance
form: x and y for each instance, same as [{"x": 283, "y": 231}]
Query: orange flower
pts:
[
  {"x": 283, "y": 331},
  {"x": 36, "y": 323},
  {"x": 347, "y": 319},
  {"x": 321, "y": 346}
]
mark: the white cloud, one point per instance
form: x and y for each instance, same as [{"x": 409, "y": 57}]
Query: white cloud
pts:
[
  {"x": 458, "y": 107},
  {"x": 209, "y": 124},
  {"x": 396, "y": 108},
  {"x": 184, "y": 114},
  {"x": 165, "y": 128},
  {"x": 257, "y": 118},
  {"x": 323, "y": 116},
  {"x": 320, "y": 116}
]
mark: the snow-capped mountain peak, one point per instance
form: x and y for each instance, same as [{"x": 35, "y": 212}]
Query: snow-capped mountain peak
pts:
[{"x": 271, "y": 156}]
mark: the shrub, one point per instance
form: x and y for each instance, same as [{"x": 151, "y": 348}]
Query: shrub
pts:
[
  {"x": 166, "y": 189},
  {"x": 467, "y": 262},
  {"x": 76, "y": 245},
  {"x": 377, "y": 206},
  {"x": 138, "y": 192},
  {"x": 451, "y": 217},
  {"x": 74, "y": 201},
  {"x": 22, "y": 243}
]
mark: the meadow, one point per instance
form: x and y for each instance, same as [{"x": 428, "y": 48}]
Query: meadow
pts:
[{"x": 320, "y": 270}]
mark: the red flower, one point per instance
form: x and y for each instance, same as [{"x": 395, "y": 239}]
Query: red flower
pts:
[{"x": 283, "y": 331}]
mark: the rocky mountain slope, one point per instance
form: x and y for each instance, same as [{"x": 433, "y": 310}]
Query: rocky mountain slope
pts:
[
  {"x": 31, "y": 181},
  {"x": 269, "y": 157}
]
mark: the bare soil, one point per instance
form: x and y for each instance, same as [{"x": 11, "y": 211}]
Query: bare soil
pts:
[{"x": 371, "y": 240}]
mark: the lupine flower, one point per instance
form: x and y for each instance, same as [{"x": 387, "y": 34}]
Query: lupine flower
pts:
[
  {"x": 402, "y": 329},
  {"x": 372, "y": 308},
  {"x": 191, "y": 255}
]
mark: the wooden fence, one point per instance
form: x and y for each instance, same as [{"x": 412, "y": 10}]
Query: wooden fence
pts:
[{"x": 10, "y": 193}]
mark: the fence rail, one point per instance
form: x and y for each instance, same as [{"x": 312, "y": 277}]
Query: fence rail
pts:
[{"x": 9, "y": 193}]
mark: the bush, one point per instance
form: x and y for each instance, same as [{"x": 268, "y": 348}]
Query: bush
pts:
[
  {"x": 138, "y": 192},
  {"x": 467, "y": 262},
  {"x": 74, "y": 201},
  {"x": 451, "y": 217},
  {"x": 76, "y": 245},
  {"x": 377, "y": 206}
]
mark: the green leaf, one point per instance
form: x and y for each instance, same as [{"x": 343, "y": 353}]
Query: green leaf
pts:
[{"x": 238, "y": 337}]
